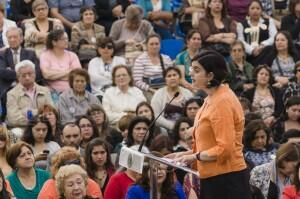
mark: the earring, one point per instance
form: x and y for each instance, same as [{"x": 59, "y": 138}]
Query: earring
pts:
[{"x": 208, "y": 85}]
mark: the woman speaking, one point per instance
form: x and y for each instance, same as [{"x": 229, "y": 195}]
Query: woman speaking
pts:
[{"x": 217, "y": 132}]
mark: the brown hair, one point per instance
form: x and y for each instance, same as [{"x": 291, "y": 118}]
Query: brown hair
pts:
[
  {"x": 259, "y": 68},
  {"x": 287, "y": 152},
  {"x": 37, "y": 3},
  {"x": 124, "y": 122},
  {"x": 292, "y": 6},
  {"x": 4, "y": 133},
  {"x": 114, "y": 74},
  {"x": 14, "y": 151},
  {"x": 78, "y": 72}
]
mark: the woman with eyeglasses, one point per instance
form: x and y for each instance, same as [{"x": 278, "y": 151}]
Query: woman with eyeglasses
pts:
[
  {"x": 37, "y": 28},
  {"x": 88, "y": 129},
  {"x": 67, "y": 156},
  {"x": 39, "y": 135},
  {"x": 105, "y": 131},
  {"x": 100, "y": 67},
  {"x": 26, "y": 181},
  {"x": 122, "y": 98},
  {"x": 56, "y": 62},
  {"x": 4, "y": 146}
]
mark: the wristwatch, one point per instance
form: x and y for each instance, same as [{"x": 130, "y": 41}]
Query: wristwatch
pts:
[{"x": 198, "y": 156}]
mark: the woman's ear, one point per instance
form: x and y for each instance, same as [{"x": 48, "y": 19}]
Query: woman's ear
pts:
[{"x": 210, "y": 76}]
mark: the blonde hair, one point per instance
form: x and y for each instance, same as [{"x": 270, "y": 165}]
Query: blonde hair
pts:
[
  {"x": 4, "y": 131},
  {"x": 65, "y": 172},
  {"x": 63, "y": 155}
]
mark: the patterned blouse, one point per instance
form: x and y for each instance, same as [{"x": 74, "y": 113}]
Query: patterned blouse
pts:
[{"x": 265, "y": 105}]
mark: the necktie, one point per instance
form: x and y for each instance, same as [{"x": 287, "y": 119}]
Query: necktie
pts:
[{"x": 15, "y": 56}]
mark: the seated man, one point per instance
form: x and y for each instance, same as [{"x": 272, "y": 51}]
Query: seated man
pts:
[
  {"x": 24, "y": 100},
  {"x": 11, "y": 56},
  {"x": 68, "y": 11}
]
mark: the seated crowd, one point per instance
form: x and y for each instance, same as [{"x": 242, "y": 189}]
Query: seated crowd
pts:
[{"x": 79, "y": 80}]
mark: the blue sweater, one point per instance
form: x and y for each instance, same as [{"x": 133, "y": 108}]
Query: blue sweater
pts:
[
  {"x": 148, "y": 7},
  {"x": 137, "y": 192}
]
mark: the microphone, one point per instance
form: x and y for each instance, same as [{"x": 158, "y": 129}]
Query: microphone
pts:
[{"x": 153, "y": 122}]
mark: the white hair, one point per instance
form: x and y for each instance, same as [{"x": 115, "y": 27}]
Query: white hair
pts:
[{"x": 23, "y": 64}]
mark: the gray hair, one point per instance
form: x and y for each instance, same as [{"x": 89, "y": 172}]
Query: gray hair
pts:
[
  {"x": 134, "y": 13},
  {"x": 13, "y": 28},
  {"x": 23, "y": 64}
]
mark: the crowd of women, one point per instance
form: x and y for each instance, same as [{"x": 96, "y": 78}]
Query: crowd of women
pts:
[{"x": 235, "y": 117}]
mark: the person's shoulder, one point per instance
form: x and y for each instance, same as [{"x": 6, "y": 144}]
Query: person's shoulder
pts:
[
  {"x": 9, "y": 22},
  {"x": 42, "y": 173},
  {"x": 12, "y": 176}
]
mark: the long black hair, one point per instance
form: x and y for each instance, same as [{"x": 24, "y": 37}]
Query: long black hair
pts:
[{"x": 4, "y": 194}]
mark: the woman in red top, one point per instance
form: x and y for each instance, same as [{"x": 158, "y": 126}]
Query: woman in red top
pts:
[{"x": 293, "y": 191}]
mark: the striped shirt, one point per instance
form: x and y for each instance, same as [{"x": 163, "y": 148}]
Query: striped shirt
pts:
[{"x": 144, "y": 68}]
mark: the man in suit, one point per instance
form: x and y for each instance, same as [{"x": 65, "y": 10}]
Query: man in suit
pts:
[{"x": 9, "y": 57}]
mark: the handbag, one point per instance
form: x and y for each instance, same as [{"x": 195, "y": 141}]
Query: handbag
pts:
[{"x": 156, "y": 81}]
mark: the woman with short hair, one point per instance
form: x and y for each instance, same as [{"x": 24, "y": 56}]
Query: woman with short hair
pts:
[{"x": 76, "y": 100}]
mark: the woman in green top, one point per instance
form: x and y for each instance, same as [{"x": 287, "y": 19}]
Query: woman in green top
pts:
[
  {"x": 240, "y": 71},
  {"x": 25, "y": 181},
  {"x": 183, "y": 60}
]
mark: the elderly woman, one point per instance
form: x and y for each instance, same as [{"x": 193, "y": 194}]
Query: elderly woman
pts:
[
  {"x": 71, "y": 181},
  {"x": 122, "y": 98},
  {"x": 149, "y": 67},
  {"x": 217, "y": 29},
  {"x": 4, "y": 25},
  {"x": 25, "y": 181},
  {"x": 183, "y": 60},
  {"x": 67, "y": 156},
  {"x": 131, "y": 31},
  {"x": 256, "y": 32},
  {"x": 172, "y": 76},
  {"x": 76, "y": 100},
  {"x": 101, "y": 66},
  {"x": 240, "y": 71},
  {"x": 85, "y": 33},
  {"x": 56, "y": 62},
  {"x": 38, "y": 28},
  {"x": 271, "y": 177}
]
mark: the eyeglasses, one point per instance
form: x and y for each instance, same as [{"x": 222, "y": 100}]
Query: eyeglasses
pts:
[
  {"x": 85, "y": 126},
  {"x": 108, "y": 46}
]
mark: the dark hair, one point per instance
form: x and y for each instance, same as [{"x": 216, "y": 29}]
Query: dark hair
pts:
[
  {"x": 124, "y": 122},
  {"x": 141, "y": 104},
  {"x": 132, "y": 124},
  {"x": 223, "y": 12},
  {"x": 177, "y": 128},
  {"x": 213, "y": 62},
  {"x": 250, "y": 132},
  {"x": 255, "y": 1},
  {"x": 292, "y": 6},
  {"x": 296, "y": 180},
  {"x": 199, "y": 102},
  {"x": 114, "y": 74},
  {"x": 190, "y": 34},
  {"x": 291, "y": 133},
  {"x": 71, "y": 124},
  {"x": 259, "y": 68},
  {"x": 85, "y": 8},
  {"x": 162, "y": 143},
  {"x": 78, "y": 72},
  {"x": 96, "y": 107},
  {"x": 245, "y": 102},
  {"x": 92, "y": 121},
  {"x": 294, "y": 100},
  {"x": 287, "y": 152},
  {"x": 153, "y": 36},
  {"x": 168, "y": 189},
  {"x": 104, "y": 41},
  {"x": 4, "y": 194},
  {"x": 14, "y": 151},
  {"x": 172, "y": 68},
  {"x": 252, "y": 116},
  {"x": 49, "y": 108},
  {"x": 54, "y": 35},
  {"x": 291, "y": 48},
  {"x": 91, "y": 167},
  {"x": 28, "y": 135}
]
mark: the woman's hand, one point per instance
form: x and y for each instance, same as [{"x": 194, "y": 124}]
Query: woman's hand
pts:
[
  {"x": 41, "y": 156},
  {"x": 186, "y": 159},
  {"x": 282, "y": 80}
]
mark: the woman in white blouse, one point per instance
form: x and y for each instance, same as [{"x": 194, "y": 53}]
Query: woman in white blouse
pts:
[
  {"x": 122, "y": 98},
  {"x": 100, "y": 67}
]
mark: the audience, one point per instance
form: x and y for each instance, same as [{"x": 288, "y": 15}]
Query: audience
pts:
[
  {"x": 37, "y": 29},
  {"x": 172, "y": 76},
  {"x": 76, "y": 100},
  {"x": 24, "y": 100},
  {"x": 88, "y": 129},
  {"x": 39, "y": 135},
  {"x": 100, "y": 67},
  {"x": 98, "y": 162},
  {"x": 191, "y": 107},
  {"x": 26, "y": 181},
  {"x": 85, "y": 34},
  {"x": 122, "y": 98},
  {"x": 57, "y": 62}
]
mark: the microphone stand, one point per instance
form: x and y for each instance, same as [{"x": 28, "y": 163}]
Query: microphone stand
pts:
[{"x": 153, "y": 122}]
